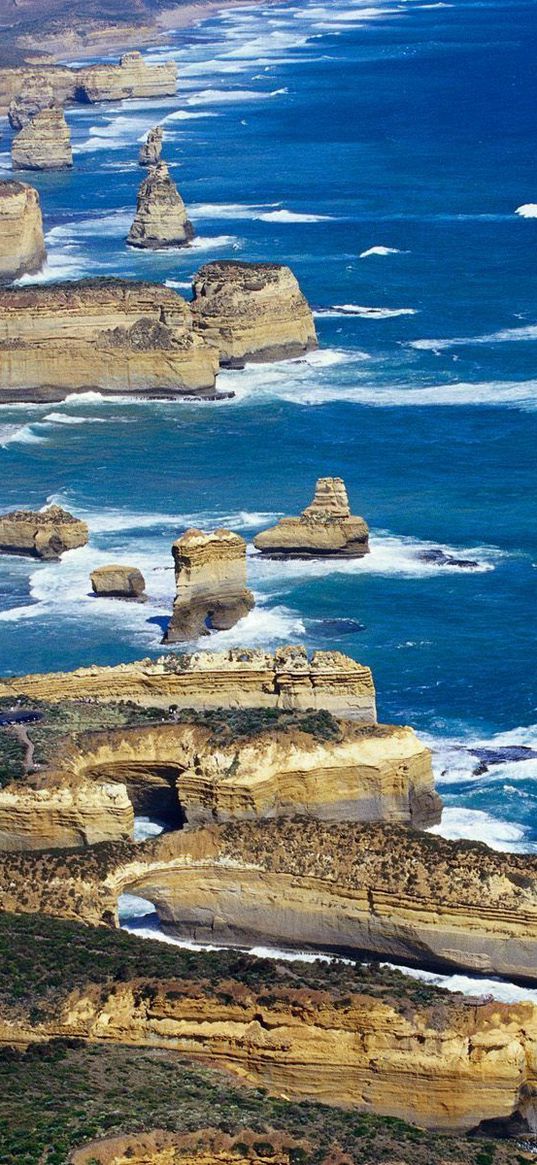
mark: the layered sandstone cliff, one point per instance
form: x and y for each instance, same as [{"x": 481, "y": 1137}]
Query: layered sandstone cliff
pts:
[
  {"x": 252, "y": 311},
  {"x": 151, "y": 150},
  {"x": 44, "y": 143},
  {"x": 60, "y": 816},
  {"x": 28, "y": 88},
  {"x": 210, "y": 580},
  {"x": 161, "y": 219},
  {"x": 237, "y": 678},
  {"x": 45, "y": 534},
  {"x": 118, "y": 582},
  {"x": 22, "y": 243},
  {"x": 205, "y": 1147},
  {"x": 112, "y": 335},
  {"x": 325, "y": 527},
  {"x": 36, "y": 94},
  {"x": 132, "y": 77}
]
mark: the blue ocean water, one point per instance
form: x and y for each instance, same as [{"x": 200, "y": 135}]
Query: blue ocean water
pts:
[{"x": 382, "y": 152}]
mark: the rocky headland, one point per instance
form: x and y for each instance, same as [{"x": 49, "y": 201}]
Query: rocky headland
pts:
[
  {"x": 44, "y": 143},
  {"x": 252, "y": 311},
  {"x": 22, "y": 243},
  {"x": 161, "y": 219},
  {"x": 42, "y": 534},
  {"x": 325, "y": 527},
  {"x": 211, "y": 587},
  {"x": 151, "y": 150},
  {"x": 107, "y": 334},
  {"x": 288, "y": 679},
  {"x": 26, "y": 89},
  {"x": 117, "y": 581}
]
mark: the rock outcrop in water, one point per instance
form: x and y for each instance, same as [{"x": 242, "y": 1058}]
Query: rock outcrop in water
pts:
[
  {"x": 161, "y": 219},
  {"x": 107, "y": 334},
  {"x": 210, "y": 579},
  {"x": 150, "y": 152},
  {"x": 325, "y": 527},
  {"x": 45, "y": 534},
  {"x": 36, "y": 94},
  {"x": 237, "y": 678},
  {"x": 252, "y": 311},
  {"x": 22, "y": 243},
  {"x": 44, "y": 143},
  {"x": 27, "y": 88},
  {"x": 118, "y": 582}
]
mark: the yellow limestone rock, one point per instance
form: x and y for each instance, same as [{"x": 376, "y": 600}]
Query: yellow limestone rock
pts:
[
  {"x": 204, "y": 1147},
  {"x": 44, "y": 143},
  {"x": 252, "y": 311},
  {"x": 236, "y": 678},
  {"x": 161, "y": 219},
  {"x": 132, "y": 77},
  {"x": 152, "y": 148},
  {"x": 325, "y": 527},
  {"x": 45, "y": 534},
  {"x": 36, "y": 94},
  {"x": 22, "y": 244},
  {"x": 210, "y": 579},
  {"x": 118, "y": 582},
  {"x": 108, "y": 334}
]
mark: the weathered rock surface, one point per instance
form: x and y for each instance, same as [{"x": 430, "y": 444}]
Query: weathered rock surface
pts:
[
  {"x": 132, "y": 77},
  {"x": 43, "y": 818},
  {"x": 113, "y": 335},
  {"x": 237, "y": 678},
  {"x": 28, "y": 88},
  {"x": 37, "y": 94},
  {"x": 383, "y": 889},
  {"x": 252, "y": 311},
  {"x": 206, "y": 1147},
  {"x": 152, "y": 148},
  {"x": 45, "y": 534},
  {"x": 161, "y": 219},
  {"x": 325, "y": 527},
  {"x": 43, "y": 144},
  {"x": 210, "y": 579},
  {"x": 118, "y": 582},
  {"x": 22, "y": 243}
]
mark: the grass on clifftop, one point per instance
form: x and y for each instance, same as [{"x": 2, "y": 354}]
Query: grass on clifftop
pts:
[{"x": 57, "y": 1096}]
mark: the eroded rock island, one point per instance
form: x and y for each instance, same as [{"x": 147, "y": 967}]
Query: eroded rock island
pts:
[
  {"x": 42, "y": 534},
  {"x": 22, "y": 243},
  {"x": 151, "y": 150},
  {"x": 161, "y": 219},
  {"x": 117, "y": 581},
  {"x": 44, "y": 143},
  {"x": 325, "y": 527},
  {"x": 211, "y": 588}
]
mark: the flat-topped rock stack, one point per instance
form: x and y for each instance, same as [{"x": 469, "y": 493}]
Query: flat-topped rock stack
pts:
[
  {"x": 117, "y": 581},
  {"x": 108, "y": 334},
  {"x": 22, "y": 243},
  {"x": 325, "y": 528},
  {"x": 42, "y": 534},
  {"x": 210, "y": 579},
  {"x": 44, "y": 143},
  {"x": 27, "y": 88},
  {"x": 151, "y": 150},
  {"x": 36, "y": 94},
  {"x": 161, "y": 219},
  {"x": 252, "y": 312},
  {"x": 237, "y": 678}
]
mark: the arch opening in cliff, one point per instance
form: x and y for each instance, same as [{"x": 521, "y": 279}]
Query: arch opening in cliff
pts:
[{"x": 152, "y": 788}]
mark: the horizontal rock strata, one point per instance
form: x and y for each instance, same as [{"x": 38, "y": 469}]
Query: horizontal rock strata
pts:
[
  {"x": 111, "y": 335},
  {"x": 25, "y": 86},
  {"x": 325, "y": 527},
  {"x": 151, "y": 149},
  {"x": 206, "y": 1147},
  {"x": 210, "y": 579},
  {"x": 37, "y": 94},
  {"x": 252, "y": 311},
  {"x": 22, "y": 243},
  {"x": 238, "y": 678},
  {"x": 118, "y": 582},
  {"x": 42, "y": 534},
  {"x": 161, "y": 219},
  {"x": 43, "y": 144}
]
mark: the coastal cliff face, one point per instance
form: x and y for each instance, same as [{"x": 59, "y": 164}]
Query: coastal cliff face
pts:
[
  {"x": 61, "y": 816},
  {"x": 252, "y": 311},
  {"x": 36, "y": 94},
  {"x": 325, "y": 527},
  {"x": 44, "y": 143},
  {"x": 237, "y": 678},
  {"x": 45, "y": 534},
  {"x": 111, "y": 335},
  {"x": 205, "y": 1147},
  {"x": 210, "y": 580},
  {"x": 133, "y": 77},
  {"x": 22, "y": 244},
  {"x": 378, "y": 888},
  {"x": 151, "y": 150},
  {"x": 27, "y": 89},
  {"x": 161, "y": 219}
]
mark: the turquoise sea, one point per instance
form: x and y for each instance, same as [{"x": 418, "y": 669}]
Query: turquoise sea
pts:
[{"x": 382, "y": 151}]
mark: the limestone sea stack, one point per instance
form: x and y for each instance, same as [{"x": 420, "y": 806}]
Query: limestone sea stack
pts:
[
  {"x": 252, "y": 311},
  {"x": 45, "y": 534},
  {"x": 161, "y": 219},
  {"x": 24, "y": 90},
  {"x": 132, "y": 77},
  {"x": 152, "y": 148},
  {"x": 43, "y": 144},
  {"x": 22, "y": 243},
  {"x": 107, "y": 334},
  {"x": 325, "y": 527},
  {"x": 36, "y": 95},
  {"x": 118, "y": 582},
  {"x": 210, "y": 579}
]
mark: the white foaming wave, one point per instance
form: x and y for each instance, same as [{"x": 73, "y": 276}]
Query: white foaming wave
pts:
[
  {"x": 67, "y": 419},
  {"x": 207, "y": 243},
  {"x": 263, "y": 626},
  {"x": 220, "y": 96},
  {"x": 499, "y": 989},
  {"x": 366, "y": 313},
  {"x": 476, "y": 825},
  {"x": 503, "y": 336},
  {"x": 19, "y": 435},
  {"x": 290, "y": 216},
  {"x": 491, "y": 394},
  {"x": 58, "y": 267},
  {"x": 187, "y": 115},
  {"x": 381, "y": 251},
  {"x": 113, "y": 520},
  {"x": 527, "y": 210},
  {"x": 179, "y": 284},
  {"x": 133, "y": 906},
  {"x": 233, "y": 210},
  {"x": 145, "y": 828},
  {"x": 266, "y": 46},
  {"x": 115, "y": 134}
]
